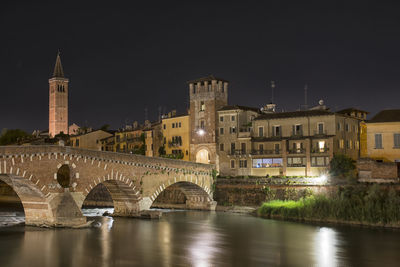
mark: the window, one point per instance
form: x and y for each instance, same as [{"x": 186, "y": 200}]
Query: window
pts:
[
  {"x": 348, "y": 144},
  {"x": 261, "y": 148},
  {"x": 396, "y": 141},
  {"x": 297, "y": 129},
  {"x": 165, "y": 140},
  {"x": 202, "y": 106},
  {"x": 347, "y": 127},
  {"x": 338, "y": 126},
  {"x": 276, "y": 130},
  {"x": 180, "y": 125},
  {"x": 243, "y": 163},
  {"x": 232, "y": 164},
  {"x": 321, "y": 146},
  {"x": 233, "y": 148},
  {"x": 221, "y": 131},
  {"x": 319, "y": 161},
  {"x": 221, "y": 147},
  {"x": 277, "y": 148},
  {"x": 221, "y": 118},
  {"x": 261, "y": 131},
  {"x": 320, "y": 128},
  {"x": 267, "y": 163},
  {"x": 341, "y": 143},
  {"x": 243, "y": 148},
  {"x": 209, "y": 87},
  {"x": 165, "y": 126},
  {"x": 378, "y": 141},
  {"x": 173, "y": 125},
  {"x": 297, "y": 162},
  {"x": 202, "y": 124},
  {"x": 357, "y": 145},
  {"x": 194, "y": 88},
  {"x": 232, "y": 129},
  {"x": 77, "y": 142},
  {"x": 233, "y": 118}
]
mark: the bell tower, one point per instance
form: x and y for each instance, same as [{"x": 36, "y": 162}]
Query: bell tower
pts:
[
  {"x": 58, "y": 100},
  {"x": 207, "y": 96}
]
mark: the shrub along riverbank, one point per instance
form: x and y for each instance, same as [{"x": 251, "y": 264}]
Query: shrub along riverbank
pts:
[{"x": 364, "y": 205}]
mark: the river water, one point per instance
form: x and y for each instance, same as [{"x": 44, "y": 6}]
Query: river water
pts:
[{"x": 195, "y": 238}]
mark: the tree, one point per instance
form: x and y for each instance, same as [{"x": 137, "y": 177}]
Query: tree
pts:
[
  {"x": 105, "y": 127},
  {"x": 161, "y": 150},
  {"x": 342, "y": 166},
  {"x": 13, "y": 136}
]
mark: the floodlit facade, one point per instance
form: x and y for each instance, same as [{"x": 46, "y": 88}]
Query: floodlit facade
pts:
[
  {"x": 383, "y": 136},
  {"x": 299, "y": 143},
  {"x": 91, "y": 140},
  {"x": 175, "y": 131}
]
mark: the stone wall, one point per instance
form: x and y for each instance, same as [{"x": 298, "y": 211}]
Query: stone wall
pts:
[
  {"x": 370, "y": 170},
  {"x": 253, "y": 192}
]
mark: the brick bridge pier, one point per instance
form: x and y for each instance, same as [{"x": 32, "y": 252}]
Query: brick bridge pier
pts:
[{"x": 52, "y": 182}]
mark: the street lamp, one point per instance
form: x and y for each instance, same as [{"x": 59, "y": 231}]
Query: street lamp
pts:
[{"x": 200, "y": 132}]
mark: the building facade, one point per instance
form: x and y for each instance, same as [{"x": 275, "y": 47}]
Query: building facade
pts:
[
  {"x": 383, "y": 136},
  {"x": 175, "y": 131},
  {"x": 207, "y": 95},
  {"x": 153, "y": 139},
  {"x": 92, "y": 140},
  {"x": 299, "y": 143},
  {"x": 58, "y": 101},
  {"x": 234, "y": 138}
]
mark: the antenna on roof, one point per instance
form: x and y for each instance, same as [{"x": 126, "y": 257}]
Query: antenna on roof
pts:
[
  {"x": 159, "y": 113},
  {"x": 272, "y": 91},
  {"x": 305, "y": 96}
]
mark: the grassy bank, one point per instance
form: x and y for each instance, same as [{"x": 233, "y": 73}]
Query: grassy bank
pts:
[{"x": 369, "y": 205}]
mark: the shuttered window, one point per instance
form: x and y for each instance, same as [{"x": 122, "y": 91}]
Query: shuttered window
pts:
[{"x": 378, "y": 141}]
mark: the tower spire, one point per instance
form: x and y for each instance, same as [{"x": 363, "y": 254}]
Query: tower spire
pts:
[{"x": 58, "y": 69}]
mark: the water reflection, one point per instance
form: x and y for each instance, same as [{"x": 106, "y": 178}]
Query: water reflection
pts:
[{"x": 199, "y": 239}]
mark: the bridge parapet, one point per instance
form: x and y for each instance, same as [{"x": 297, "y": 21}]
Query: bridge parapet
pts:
[{"x": 134, "y": 181}]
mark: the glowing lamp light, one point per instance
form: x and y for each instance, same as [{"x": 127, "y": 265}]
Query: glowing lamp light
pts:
[
  {"x": 201, "y": 132},
  {"x": 323, "y": 178}
]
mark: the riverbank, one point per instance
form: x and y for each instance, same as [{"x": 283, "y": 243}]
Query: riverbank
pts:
[{"x": 368, "y": 206}]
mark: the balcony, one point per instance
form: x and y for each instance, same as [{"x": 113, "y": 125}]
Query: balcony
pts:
[
  {"x": 266, "y": 152},
  {"x": 297, "y": 134},
  {"x": 319, "y": 150},
  {"x": 245, "y": 132},
  {"x": 297, "y": 151},
  {"x": 237, "y": 152},
  {"x": 320, "y": 133}
]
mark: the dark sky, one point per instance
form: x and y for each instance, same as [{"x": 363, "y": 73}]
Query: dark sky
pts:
[{"x": 123, "y": 57}]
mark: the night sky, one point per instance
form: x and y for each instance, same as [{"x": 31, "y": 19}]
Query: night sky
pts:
[{"x": 124, "y": 57}]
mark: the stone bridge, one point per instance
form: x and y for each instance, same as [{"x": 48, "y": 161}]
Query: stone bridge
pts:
[{"x": 52, "y": 182}]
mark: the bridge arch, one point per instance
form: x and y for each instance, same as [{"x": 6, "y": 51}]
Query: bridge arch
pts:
[
  {"x": 183, "y": 194},
  {"x": 125, "y": 197},
  {"x": 36, "y": 207}
]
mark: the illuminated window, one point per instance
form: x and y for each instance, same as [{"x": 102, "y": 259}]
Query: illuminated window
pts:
[
  {"x": 202, "y": 106},
  {"x": 321, "y": 146}
]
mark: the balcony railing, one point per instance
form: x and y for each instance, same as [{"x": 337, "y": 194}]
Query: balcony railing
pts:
[
  {"x": 266, "y": 152},
  {"x": 320, "y": 133},
  {"x": 297, "y": 134},
  {"x": 237, "y": 152},
  {"x": 320, "y": 150},
  {"x": 297, "y": 151}
]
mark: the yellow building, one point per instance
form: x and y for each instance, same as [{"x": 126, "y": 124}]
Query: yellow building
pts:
[
  {"x": 91, "y": 140},
  {"x": 153, "y": 139},
  {"x": 363, "y": 140},
  {"x": 129, "y": 141},
  {"x": 176, "y": 131},
  {"x": 383, "y": 136}
]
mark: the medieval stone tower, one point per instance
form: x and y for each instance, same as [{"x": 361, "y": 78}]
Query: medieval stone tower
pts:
[
  {"x": 207, "y": 96},
  {"x": 58, "y": 100}
]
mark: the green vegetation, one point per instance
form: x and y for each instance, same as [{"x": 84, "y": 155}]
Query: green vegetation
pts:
[
  {"x": 140, "y": 150},
  {"x": 362, "y": 204},
  {"x": 13, "y": 136},
  {"x": 342, "y": 166}
]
